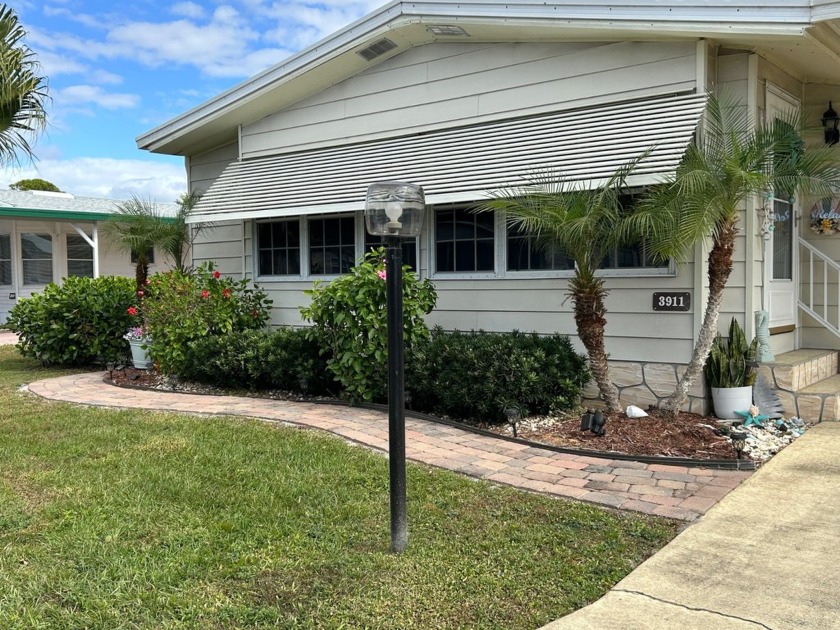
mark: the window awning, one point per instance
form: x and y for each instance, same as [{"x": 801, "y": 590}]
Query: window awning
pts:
[{"x": 462, "y": 164}]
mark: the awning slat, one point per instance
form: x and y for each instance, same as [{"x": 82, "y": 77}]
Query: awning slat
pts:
[{"x": 463, "y": 163}]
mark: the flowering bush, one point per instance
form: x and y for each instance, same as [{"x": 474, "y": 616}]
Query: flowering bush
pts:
[
  {"x": 350, "y": 324},
  {"x": 180, "y": 307}
]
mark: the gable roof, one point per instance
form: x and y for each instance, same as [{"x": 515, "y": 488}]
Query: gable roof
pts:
[
  {"x": 798, "y": 35},
  {"x": 37, "y": 204}
]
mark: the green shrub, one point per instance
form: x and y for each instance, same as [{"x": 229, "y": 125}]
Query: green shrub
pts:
[
  {"x": 350, "y": 324},
  {"x": 259, "y": 359},
  {"x": 478, "y": 374},
  {"x": 79, "y": 322},
  {"x": 181, "y": 307}
]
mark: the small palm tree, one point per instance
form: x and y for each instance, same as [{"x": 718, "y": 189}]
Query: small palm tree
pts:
[
  {"x": 179, "y": 236},
  {"x": 23, "y": 92},
  {"x": 733, "y": 162},
  {"x": 585, "y": 225},
  {"x": 137, "y": 227}
]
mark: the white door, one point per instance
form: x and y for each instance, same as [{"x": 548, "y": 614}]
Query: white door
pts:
[{"x": 781, "y": 262}]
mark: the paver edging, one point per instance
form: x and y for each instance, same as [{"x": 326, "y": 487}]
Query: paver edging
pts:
[{"x": 717, "y": 464}]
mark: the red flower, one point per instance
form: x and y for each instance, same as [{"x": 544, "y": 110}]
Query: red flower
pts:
[
  {"x": 217, "y": 275},
  {"x": 226, "y": 293},
  {"x": 205, "y": 294},
  {"x": 132, "y": 310}
]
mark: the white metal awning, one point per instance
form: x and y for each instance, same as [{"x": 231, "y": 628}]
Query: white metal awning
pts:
[{"x": 462, "y": 164}]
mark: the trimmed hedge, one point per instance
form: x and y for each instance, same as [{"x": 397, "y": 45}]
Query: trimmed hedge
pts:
[
  {"x": 80, "y": 322},
  {"x": 258, "y": 359},
  {"x": 479, "y": 374}
]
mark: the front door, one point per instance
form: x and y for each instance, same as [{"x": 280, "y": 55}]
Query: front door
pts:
[{"x": 780, "y": 262}]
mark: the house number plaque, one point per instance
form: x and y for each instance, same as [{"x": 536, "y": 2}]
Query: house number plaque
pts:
[{"x": 672, "y": 301}]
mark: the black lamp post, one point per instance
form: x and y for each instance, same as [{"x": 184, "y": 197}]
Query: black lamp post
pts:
[
  {"x": 739, "y": 441},
  {"x": 830, "y": 121},
  {"x": 394, "y": 210}
]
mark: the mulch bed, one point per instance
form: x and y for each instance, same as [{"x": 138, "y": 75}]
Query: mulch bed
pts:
[{"x": 688, "y": 436}]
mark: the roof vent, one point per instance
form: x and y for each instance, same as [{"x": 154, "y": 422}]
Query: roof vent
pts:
[
  {"x": 376, "y": 49},
  {"x": 449, "y": 30},
  {"x": 49, "y": 193}
]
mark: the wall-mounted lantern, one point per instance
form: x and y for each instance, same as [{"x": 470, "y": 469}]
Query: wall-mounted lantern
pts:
[{"x": 830, "y": 122}]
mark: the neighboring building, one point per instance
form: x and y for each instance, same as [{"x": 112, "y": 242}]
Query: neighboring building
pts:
[
  {"x": 467, "y": 97},
  {"x": 47, "y": 236}
]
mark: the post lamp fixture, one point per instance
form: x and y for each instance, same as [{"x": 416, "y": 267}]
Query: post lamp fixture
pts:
[
  {"x": 394, "y": 211},
  {"x": 830, "y": 122}
]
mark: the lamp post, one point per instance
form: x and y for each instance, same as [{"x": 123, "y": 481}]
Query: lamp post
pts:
[{"x": 394, "y": 210}]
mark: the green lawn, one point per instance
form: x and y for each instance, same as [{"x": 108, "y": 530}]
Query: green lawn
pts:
[{"x": 124, "y": 519}]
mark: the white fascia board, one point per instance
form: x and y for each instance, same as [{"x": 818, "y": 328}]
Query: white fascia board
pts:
[{"x": 701, "y": 19}]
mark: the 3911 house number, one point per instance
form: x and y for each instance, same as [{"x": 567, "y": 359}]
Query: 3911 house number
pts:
[{"x": 677, "y": 301}]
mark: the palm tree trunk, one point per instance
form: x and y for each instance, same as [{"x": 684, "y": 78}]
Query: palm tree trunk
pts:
[
  {"x": 588, "y": 300},
  {"x": 720, "y": 267}
]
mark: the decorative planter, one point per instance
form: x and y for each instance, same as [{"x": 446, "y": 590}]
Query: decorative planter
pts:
[
  {"x": 728, "y": 400},
  {"x": 140, "y": 355}
]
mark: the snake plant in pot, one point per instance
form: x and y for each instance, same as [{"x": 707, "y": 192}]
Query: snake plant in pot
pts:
[{"x": 730, "y": 371}]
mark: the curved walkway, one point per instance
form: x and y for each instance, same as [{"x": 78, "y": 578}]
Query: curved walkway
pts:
[{"x": 672, "y": 491}]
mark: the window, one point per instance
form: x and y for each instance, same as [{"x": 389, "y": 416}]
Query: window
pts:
[
  {"x": 631, "y": 257},
  {"x": 523, "y": 254},
  {"x": 5, "y": 260},
  {"x": 782, "y": 239},
  {"x": 150, "y": 256},
  {"x": 464, "y": 241},
  {"x": 332, "y": 245},
  {"x": 278, "y": 244},
  {"x": 36, "y": 253},
  {"x": 409, "y": 248},
  {"x": 79, "y": 257}
]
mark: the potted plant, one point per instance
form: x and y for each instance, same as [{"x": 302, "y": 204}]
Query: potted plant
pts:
[
  {"x": 139, "y": 340},
  {"x": 730, "y": 370}
]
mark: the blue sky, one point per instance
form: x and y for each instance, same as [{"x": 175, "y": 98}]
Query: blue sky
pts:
[{"x": 118, "y": 69}]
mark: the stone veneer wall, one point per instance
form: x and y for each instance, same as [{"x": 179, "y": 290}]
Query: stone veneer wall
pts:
[{"x": 644, "y": 384}]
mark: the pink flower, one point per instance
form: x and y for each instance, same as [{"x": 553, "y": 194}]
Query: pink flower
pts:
[
  {"x": 217, "y": 275},
  {"x": 132, "y": 310},
  {"x": 140, "y": 294},
  {"x": 205, "y": 294},
  {"x": 381, "y": 274}
]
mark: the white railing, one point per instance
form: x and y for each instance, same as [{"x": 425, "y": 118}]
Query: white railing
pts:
[{"x": 815, "y": 262}]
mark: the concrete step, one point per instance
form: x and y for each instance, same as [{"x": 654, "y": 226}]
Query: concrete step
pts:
[{"x": 807, "y": 382}]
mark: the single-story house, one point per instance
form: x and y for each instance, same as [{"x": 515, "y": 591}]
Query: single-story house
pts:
[
  {"x": 466, "y": 97},
  {"x": 47, "y": 236}
]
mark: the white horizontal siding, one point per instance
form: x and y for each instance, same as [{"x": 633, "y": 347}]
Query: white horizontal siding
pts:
[
  {"x": 453, "y": 84},
  {"x": 206, "y": 167}
]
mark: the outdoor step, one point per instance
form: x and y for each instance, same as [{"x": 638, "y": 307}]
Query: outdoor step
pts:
[
  {"x": 807, "y": 382},
  {"x": 796, "y": 370}
]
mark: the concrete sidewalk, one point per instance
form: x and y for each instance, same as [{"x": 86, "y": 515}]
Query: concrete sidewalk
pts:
[
  {"x": 663, "y": 490},
  {"x": 767, "y": 556},
  {"x": 8, "y": 338}
]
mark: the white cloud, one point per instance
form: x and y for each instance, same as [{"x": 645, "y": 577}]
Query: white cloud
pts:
[
  {"x": 187, "y": 9},
  {"x": 108, "y": 178},
  {"x": 54, "y": 65},
  {"x": 80, "y": 94},
  {"x": 104, "y": 77}
]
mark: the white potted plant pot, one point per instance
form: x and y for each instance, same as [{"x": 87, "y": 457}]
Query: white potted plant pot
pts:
[
  {"x": 140, "y": 355},
  {"x": 728, "y": 400}
]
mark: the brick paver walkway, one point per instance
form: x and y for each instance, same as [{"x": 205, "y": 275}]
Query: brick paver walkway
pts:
[{"x": 672, "y": 491}]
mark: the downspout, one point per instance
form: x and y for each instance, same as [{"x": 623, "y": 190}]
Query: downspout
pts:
[{"x": 750, "y": 228}]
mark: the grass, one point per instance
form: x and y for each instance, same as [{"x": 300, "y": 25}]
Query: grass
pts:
[{"x": 127, "y": 519}]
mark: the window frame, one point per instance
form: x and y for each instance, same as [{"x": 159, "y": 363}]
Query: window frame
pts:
[
  {"x": 10, "y": 260},
  {"x": 68, "y": 260},
  {"x": 23, "y": 260},
  {"x": 501, "y": 271},
  {"x": 359, "y": 234}
]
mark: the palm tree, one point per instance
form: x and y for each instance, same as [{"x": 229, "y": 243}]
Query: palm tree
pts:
[
  {"x": 23, "y": 92},
  {"x": 583, "y": 224},
  {"x": 732, "y": 162},
  {"x": 179, "y": 236},
  {"x": 138, "y": 227}
]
